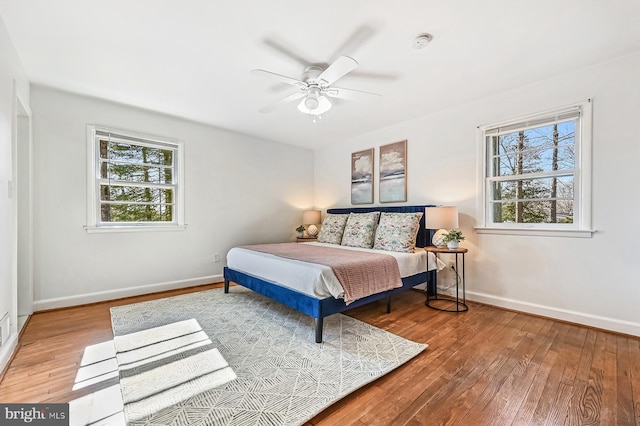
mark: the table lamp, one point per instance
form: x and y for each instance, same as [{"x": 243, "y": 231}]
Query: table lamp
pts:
[
  {"x": 312, "y": 218},
  {"x": 442, "y": 218}
]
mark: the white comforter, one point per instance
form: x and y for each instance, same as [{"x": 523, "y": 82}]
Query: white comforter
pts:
[{"x": 314, "y": 279}]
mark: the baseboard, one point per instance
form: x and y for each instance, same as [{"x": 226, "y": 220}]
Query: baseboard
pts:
[
  {"x": 101, "y": 296},
  {"x": 6, "y": 353},
  {"x": 611, "y": 324}
]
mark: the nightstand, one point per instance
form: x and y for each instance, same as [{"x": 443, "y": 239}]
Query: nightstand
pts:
[
  {"x": 306, "y": 239},
  {"x": 461, "y": 306}
]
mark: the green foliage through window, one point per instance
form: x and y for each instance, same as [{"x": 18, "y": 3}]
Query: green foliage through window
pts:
[
  {"x": 531, "y": 173},
  {"x": 136, "y": 180}
]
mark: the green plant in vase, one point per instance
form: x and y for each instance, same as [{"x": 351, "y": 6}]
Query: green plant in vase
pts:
[{"x": 453, "y": 238}]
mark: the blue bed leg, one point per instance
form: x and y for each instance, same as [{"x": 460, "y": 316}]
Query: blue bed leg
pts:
[
  {"x": 319, "y": 330},
  {"x": 389, "y": 304},
  {"x": 226, "y": 285}
]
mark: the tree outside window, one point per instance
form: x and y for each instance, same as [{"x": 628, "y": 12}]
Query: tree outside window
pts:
[
  {"x": 537, "y": 168},
  {"x": 136, "y": 181},
  {"x": 536, "y": 174}
]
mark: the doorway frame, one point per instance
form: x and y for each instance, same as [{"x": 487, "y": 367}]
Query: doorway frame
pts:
[{"x": 22, "y": 250}]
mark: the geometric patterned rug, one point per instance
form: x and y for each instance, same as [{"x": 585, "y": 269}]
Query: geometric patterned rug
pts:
[
  {"x": 283, "y": 376},
  {"x": 163, "y": 366}
]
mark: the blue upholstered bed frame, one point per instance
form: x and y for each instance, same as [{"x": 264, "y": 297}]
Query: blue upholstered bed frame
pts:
[{"x": 320, "y": 308}]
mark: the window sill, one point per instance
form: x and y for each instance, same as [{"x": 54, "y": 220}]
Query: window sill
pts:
[
  {"x": 158, "y": 228},
  {"x": 536, "y": 232}
]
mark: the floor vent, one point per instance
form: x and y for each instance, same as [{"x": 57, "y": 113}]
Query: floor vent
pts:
[{"x": 4, "y": 328}]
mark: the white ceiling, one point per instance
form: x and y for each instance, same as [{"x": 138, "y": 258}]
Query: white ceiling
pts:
[{"x": 192, "y": 58}]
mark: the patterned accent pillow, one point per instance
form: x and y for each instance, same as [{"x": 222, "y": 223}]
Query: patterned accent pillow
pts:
[
  {"x": 332, "y": 228},
  {"x": 360, "y": 229},
  {"x": 398, "y": 232}
]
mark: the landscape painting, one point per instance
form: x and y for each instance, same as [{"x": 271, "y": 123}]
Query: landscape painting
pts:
[
  {"x": 362, "y": 177},
  {"x": 393, "y": 172}
]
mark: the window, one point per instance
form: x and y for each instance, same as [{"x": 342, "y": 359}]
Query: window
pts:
[
  {"x": 536, "y": 173},
  {"x": 134, "y": 181}
]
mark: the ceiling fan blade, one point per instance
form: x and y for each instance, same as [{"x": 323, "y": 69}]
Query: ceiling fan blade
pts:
[
  {"x": 288, "y": 99},
  {"x": 279, "y": 47},
  {"x": 350, "y": 94},
  {"x": 373, "y": 75},
  {"x": 355, "y": 41},
  {"x": 281, "y": 78},
  {"x": 342, "y": 66}
]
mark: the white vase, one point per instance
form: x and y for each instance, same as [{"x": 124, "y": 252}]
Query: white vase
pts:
[
  {"x": 300, "y": 234},
  {"x": 453, "y": 245},
  {"x": 312, "y": 230}
]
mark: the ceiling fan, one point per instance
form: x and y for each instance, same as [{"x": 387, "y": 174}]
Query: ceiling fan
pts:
[{"x": 315, "y": 87}]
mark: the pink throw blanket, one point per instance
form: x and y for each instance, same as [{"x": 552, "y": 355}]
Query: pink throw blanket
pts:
[{"x": 360, "y": 273}]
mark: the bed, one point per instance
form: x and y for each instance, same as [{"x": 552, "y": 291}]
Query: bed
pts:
[{"x": 251, "y": 274}]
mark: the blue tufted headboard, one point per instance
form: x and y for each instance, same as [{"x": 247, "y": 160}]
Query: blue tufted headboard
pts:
[{"x": 424, "y": 235}]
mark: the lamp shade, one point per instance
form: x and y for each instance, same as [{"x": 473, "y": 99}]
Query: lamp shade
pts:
[
  {"x": 311, "y": 217},
  {"x": 443, "y": 217}
]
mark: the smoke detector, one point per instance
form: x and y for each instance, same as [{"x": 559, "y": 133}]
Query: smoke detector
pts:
[{"x": 422, "y": 41}]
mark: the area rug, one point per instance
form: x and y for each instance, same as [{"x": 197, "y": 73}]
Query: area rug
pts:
[
  {"x": 282, "y": 376},
  {"x": 161, "y": 366}
]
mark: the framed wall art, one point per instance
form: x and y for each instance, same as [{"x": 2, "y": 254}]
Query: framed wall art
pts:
[
  {"x": 393, "y": 172},
  {"x": 362, "y": 177}
]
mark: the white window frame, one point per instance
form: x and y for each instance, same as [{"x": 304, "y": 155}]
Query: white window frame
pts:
[
  {"x": 581, "y": 226},
  {"x": 94, "y": 223}
]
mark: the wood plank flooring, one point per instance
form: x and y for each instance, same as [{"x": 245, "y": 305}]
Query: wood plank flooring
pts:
[{"x": 484, "y": 367}]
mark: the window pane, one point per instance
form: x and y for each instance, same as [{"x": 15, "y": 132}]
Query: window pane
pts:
[
  {"x": 541, "y": 149},
  {"x": 544, "y": 211},
  {"x": 136, "y": 213},
  {"x": 503, "y": 190},
  {"x": 561, "y": 158},
  {"x": 135, "y": 180},
  {"x": 555, "y": 187},
  {"x": 136, "y": 173},
  {"x": 130, "y": 153},
  {"x": 507, "y": 143},
  {"x": 136, "y": 194},
  {"x": 531, "y": 171}
]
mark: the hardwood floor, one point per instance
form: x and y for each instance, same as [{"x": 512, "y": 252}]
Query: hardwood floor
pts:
[{"x": 484, "y": 367}]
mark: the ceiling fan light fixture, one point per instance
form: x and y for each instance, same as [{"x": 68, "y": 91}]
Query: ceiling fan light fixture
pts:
[
  {"x": 314, "y": 89},
  {"x": 321, "y": 102},
  {"x": 311, "y": 101}
]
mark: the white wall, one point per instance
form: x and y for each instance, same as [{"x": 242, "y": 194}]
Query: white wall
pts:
[
  {"x": 593, "y": 281},
  {"x": 238, "y": 189},
  {"x": 13, "y": 83}
]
